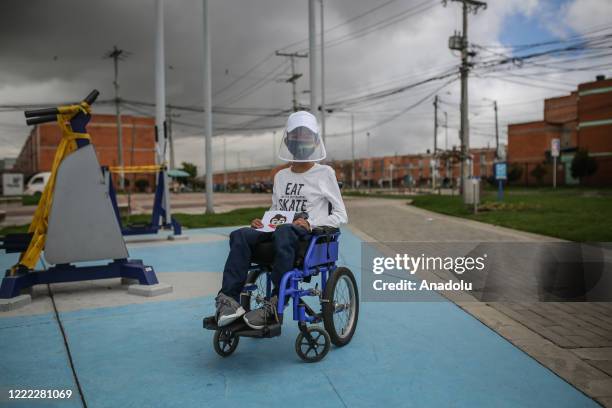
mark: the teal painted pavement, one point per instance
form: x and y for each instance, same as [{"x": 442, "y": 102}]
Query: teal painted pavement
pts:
[{"x": 157, "y": 354}]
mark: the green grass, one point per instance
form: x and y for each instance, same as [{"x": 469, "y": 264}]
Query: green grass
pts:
[
  {"x": 242, "y": 216},
  {"x": 30, "y": 199},
  {"x": 376, "y": 195},
  {"x": 573, "y": 214}
]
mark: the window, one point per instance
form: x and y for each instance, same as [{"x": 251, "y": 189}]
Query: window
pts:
[{"x": 37, "y": 180}]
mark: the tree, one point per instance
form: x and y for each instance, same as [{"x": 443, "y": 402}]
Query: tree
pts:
[
  {"x": 515, "y": 171},
  {"x": 583, "y": 165},
  {"x": 142, "y": 185},
  {"x": 538, "y": 173},
  {"x": 190, "y": 169}
]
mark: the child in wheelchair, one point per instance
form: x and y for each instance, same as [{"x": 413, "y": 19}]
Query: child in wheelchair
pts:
[{"x": 307, "y": 188}]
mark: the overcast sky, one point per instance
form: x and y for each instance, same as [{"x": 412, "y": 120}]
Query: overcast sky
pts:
[{"x": 53, "y": 51}]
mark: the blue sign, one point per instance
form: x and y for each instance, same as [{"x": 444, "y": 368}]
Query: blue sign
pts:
[{"x": 501, "y": 171}]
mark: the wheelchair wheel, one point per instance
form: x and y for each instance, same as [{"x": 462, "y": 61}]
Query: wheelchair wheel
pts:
[
  {"x": 255, "y": 299},
  {"x": 341, "y": 306},
  {"x": 313, "y": 349},
  {"x": 225, "y": 342}
]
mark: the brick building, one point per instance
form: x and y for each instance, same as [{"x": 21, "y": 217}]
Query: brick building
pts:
[
  {"x": 405, "y": 170},
  {"x": 581, "y": 120},
  {"x": 138, "y": 144}
]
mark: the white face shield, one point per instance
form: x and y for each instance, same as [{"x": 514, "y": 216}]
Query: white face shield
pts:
[{"x": 301, "y": 141}]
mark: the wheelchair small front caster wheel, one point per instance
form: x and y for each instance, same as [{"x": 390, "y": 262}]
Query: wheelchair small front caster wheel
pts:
[
  {"x": 313, "y": 345},
  {"x": 225, "y": 342}
]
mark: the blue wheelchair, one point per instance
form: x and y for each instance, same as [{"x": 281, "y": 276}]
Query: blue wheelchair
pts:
[{"x": 337, "y": 295}]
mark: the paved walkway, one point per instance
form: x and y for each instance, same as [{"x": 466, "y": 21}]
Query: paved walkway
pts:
[
  {"x": 133, "y": 351},
  {"x": 572, "y": 339}
]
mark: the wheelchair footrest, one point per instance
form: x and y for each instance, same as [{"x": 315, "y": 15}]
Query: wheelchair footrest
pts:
[
  {"x": 272, "y": 330},
  {"x": 240, "y": 328}
]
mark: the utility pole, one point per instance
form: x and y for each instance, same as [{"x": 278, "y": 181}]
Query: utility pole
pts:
[
  {"x": 496, "y": 131},
  {"x": 294, "y": 76},
  {"x": 460, "y": 43},
  {"x": 312, "y": 45},
  {"x": 118, "y": 54},
  {"x": 322, "y": 75},
  {"x": 447, "y": 158},
  {"x": 369, "y": 161},
  {"x": 353, "y": 150},
  {"x": 273, "y": 148},
  {"x": 207, "y": 110},
  {"x": 224, "y": 163},
  {"x": 160, "y": 82},
  {"x": 171, "y": 115},
  {"x": 435, "y": 148},
  {"x": 445, "y": 130}
]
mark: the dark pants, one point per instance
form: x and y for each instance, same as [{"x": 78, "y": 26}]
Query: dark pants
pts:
[{"x": 242, "y": 243}]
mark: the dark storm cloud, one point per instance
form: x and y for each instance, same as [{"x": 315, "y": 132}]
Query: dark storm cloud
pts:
[{"x": 52, "y": 51}]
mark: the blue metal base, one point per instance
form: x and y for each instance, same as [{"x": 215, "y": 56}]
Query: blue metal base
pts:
[
  {"x": 119, "y": 268},
  {"x": 152, "y": 229},
  {"x": 159, "y": 219}
]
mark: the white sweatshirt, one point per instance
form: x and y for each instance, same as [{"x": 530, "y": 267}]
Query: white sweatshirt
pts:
[{"x": 310, "y": 192}]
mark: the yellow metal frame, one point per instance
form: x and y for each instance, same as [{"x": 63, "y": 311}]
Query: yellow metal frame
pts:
[{"x": 38, "y": 228}]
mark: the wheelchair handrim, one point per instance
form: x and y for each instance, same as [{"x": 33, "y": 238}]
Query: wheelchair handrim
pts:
[
  {"x": 345, "y": 319},
  {"x": 260, "y": 282}
]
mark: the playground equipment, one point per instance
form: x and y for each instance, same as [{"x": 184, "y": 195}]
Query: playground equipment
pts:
[
  {"x": 161, "y": 218},
  {"x": 338, "y": 297},
  {"x": 74, "y": 220}
]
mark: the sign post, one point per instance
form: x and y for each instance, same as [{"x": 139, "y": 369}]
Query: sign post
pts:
[
  {"x": 555, "y": 148},
  {"x": 501, "y": 174}
]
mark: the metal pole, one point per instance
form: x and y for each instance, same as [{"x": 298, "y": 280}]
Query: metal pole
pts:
[
  {"x": 353, "y": 150},
  {"x": 465, "y": 136},
  {"x": 369, "y": 162},
  {"x": 207, "y": 111},
  {"x": 435, "y": 148},
  {"x": 273, "y": 147},
  {"x": 496, "y": 131},
  {"x": 160, "y": 105},
  {"x": 224, "y": 163},
  {"x": 118, "y": 117},
  {"x": 293, "y": 86},
  {"x": 171, "y": 139},
  {"x": 323, "y": 113},
  {"x": 445, "y": 130},
  {"x": 435, "y": 125},
  {"x": 160, "y": 79},
  {"x": 312, "y": 44},
  {"x": 554, "y": 171}
]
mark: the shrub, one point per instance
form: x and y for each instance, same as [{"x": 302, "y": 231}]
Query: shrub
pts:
[
  {"x": 142, "y": 185},
  {"x": 583, "y": 165}
]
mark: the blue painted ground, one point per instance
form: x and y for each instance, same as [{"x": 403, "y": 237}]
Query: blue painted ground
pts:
[{"x": 156, "y": 354}]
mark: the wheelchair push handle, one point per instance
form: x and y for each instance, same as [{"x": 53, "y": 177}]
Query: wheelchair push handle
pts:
[{"x": 45, "y": 115}]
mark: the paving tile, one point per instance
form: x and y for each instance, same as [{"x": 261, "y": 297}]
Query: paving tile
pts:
[
  {"x": 606, "y": 402},
  {"x": 605, "y": 366},
  {"x": 601, "y": 353}
]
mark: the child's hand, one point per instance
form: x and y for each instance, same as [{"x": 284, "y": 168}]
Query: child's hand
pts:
[
  {"x": 256, "y": 223},
  {"x": 301, "y": 222}
]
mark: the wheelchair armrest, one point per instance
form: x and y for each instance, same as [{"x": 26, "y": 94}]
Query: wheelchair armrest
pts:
[{"x": 325, "y": 230}]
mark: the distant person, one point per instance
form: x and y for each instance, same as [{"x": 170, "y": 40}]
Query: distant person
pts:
[{"x": 306, "y": 187}]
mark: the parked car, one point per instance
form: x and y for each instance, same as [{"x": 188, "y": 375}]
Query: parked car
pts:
[
  {"x": 259, "y": 187},
  {"x": 37, "y": 183}
]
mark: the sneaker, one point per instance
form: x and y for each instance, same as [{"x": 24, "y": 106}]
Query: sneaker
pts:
[
  {"x": 266, "y": 314},
  {"x": 228, "y": 310}
]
